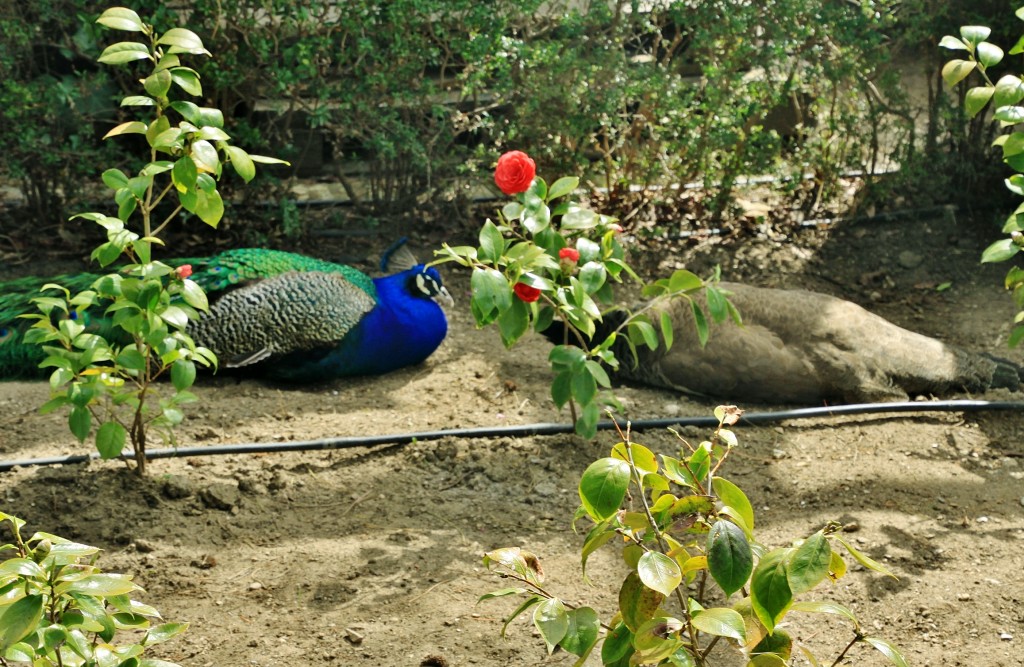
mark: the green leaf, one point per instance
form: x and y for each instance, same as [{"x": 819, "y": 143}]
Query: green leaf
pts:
[
  {"x": 975, "y": 34},
  {"x": 1009, "y": 115},
  {"x": 864, "y": 560},
  {"x": 956, "y": 71},
  {"x": 950, "y": 42},
  {"x": 637, "y": 603},
  {"x": 23, "y": 567},
  {"x": 814, "y": 607},
  {"x": 121, "y": 18},
  {"x": 598, "y": 536},
  {"x": 561, "y": 388},
  {"x": 124, "y": 52},
  {"x": 730, "y": 559},
  {"x": 808, "y": 564},
  {"x": 158, "y": 83},
  {"x": 187, "y": 79},
  {"x": 162, "y": 633},
  {"x": 888, "y": 650},
  {"x": 205, "y": 156},
  {"x": 100, "y": 585},
  {"x": 20, "y": 620},
  {"x": 263, "y": 159},
  {"x": 773, "y": 650},
  {"x": 1000, "y": 251},
  {"x": 603, "y": 487},
  {"x": 977, "y": 98},
  {"x": 514, "y": 322},
  {"x": 138, "y": 101},
  {"x": 183, "y": 374},
  {"x": 700, "y": 323},
  {"x": 241, "y": 162},
  {"x": 492, "y": 295},
  {"x": 110, "y": 439},
  {"x": 618, "y": 645},
  {"x": 592, "y": 276},
  {"x": 562, "y": 187},
  {"x": 721, "y": 622},
  {"x": 132, "y": 359},
  {"x": 209, "y": 207},
  {"x": 733, "y": 496},
  {"x": 988, "y": 54},
  {"x": 183, "y": 41},
  {"x": 770, "y": 595},
  {"x": 492, "y": 243},
  {"x": 131, "y": 127},
  {"x": 80, "y": 422},
  {"x": 584, "y": 386},
  {"x": 115, "y": 178},
  {"x": 659, "y": 572},
  {"x": 581, "y": 635},
  {"x": 552, "y": 620},
  {"x": 667, "y": 332},
  {"x": 1009, "y": 90}
]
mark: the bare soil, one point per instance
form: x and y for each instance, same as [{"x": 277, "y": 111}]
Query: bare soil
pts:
[{"x": 371, "y": 555}]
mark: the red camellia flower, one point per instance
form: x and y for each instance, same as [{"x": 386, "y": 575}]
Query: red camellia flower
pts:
[
  {"x": 526, "y": 292},
  {"x": 515, "y": 172},
  {"x": 569, "y": 254},
  {"x": 183, "y": 271}
]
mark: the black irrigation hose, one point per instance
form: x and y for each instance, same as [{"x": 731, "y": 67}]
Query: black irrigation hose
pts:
[{"x": 749, "y": 419}]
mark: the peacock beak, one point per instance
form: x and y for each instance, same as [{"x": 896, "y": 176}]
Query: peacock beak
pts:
[{"x": 443, "y": 298}]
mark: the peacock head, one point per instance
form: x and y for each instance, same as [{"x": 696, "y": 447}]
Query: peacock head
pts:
[{"x": 425, "y": 281}]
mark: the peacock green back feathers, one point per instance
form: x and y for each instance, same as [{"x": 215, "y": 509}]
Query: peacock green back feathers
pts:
[{"x": 217, "y": 274}]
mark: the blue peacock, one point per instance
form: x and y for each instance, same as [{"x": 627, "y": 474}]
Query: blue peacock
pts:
[{"x": 280, "y": 315}]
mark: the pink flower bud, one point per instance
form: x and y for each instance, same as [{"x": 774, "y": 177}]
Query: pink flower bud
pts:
[{"x": 183, "y": 271}]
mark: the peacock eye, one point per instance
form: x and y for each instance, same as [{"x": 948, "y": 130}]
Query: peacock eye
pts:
[
  {"x": 6, "y": 334},
  {"x": 73, "y": 315}
]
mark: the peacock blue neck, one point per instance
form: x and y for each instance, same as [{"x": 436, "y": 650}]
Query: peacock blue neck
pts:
[{"x": 402, "y": 330}]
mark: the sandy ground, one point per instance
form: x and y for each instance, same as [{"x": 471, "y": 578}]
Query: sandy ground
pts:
[{"x": 371, "y": 555}]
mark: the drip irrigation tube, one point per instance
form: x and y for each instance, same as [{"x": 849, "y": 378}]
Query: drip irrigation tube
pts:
[{"x": 748, "y": 419}]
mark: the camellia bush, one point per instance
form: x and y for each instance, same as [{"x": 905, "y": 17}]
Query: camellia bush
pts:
[
  {"x": 550, "y": 260},
  {"x": 695, "y": 574},
  {"x": 109, "y": 344},
  {"x": 59, "y": 609},
  {"x": 1003, "y": 98}
]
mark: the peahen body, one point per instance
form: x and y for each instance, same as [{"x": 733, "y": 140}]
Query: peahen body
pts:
[
  {"x": 802, "y": 347},
  {"x": 279, "y": 315}
]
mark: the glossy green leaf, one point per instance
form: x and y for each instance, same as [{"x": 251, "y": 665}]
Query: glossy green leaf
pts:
[
  {"x": 121, "y": 18},
  {"x": 158, "y": 83},
  {"x": 976, "y": 99},
  {"x": 165, "y": 631},
  {"x": 23, "y": 567},
  {"x": 888, "y": 650},
  {"x": 950, "y": 42},
  {"x": 110, "y": 439},
  {"x": 721, "y": 622},
  {"x": 241, "y": 162},
  {"x": 811, "y": 606},
  {"x": 100, "y": 585},
  {"x": 1000, "y": 251},
  {"x": 19, "y": 620},
  {"x": 643, "y": 458},
  {"x": 618, "y": 645},
  {"x": 80, "y": 422},
  {"x": 492, "y": 243},
  {"x": 988, "y": 54},
  {"x": 637, "y": 603},
  {"x": 1009, "y": 90},
  {"x": 955, "y": 71},
  {"x": 182, "y": 40},
  {"x": 603, "y": 487},
  {"x": 124, "y": 52},
  {"x": 809, "y": 563},
  {"x": 730, "y": 559},
  {"x": 552, "y": 621},
  {"x": 773, "y": 650},
  {"x": 659, "y": 572},
  {"x": 700, "y": 323},
  {"x": 562, "y": 187},
  {"x": 863, "y": 559},
  {"x": 770, "y": 594},
  {"x": 582, "y": 633},
  {"x": 186, "y": 79},
  {"x": 667, "y": 332},
  {"x": 733, "y": 496},
  {"x": 597, "y": 537},
  {"x": 975, "y": 34}
]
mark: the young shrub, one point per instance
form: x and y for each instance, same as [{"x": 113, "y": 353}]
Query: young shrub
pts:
[
  {"x": 109, "y": 343},
  {"x": 695, "y": 573},
  {"x": 59, "y": 609},
  {"x": 1004, "y": 99},
  {"x": 548, "y": 261}
]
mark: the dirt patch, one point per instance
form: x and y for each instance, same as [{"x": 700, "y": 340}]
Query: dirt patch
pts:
[{"x": 371, "y": 555}]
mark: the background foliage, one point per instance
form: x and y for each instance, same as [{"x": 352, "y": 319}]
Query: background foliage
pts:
[{"x": 409, "y": 102}]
